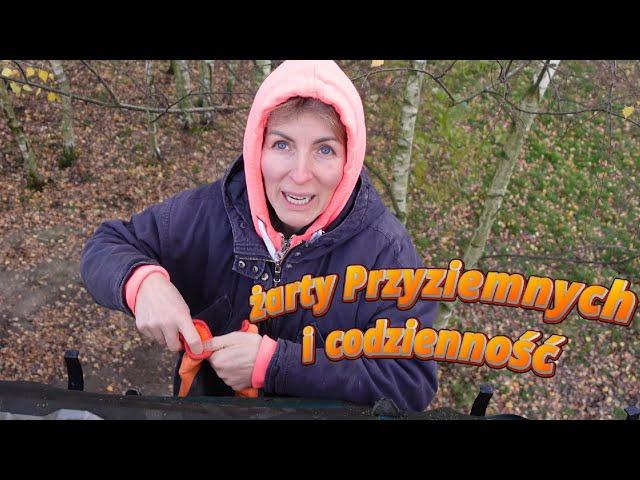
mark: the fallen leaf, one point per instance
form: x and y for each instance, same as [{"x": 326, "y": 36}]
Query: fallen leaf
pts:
[
  {"x": 43, "y": 75},
  {"x": 15, "y": 88},
  {"x": 377, "y": 63},
  {"x": 7, "y": 72},
  {"x": 31, "y": 72},
  {"x": 626, "y": 111}
]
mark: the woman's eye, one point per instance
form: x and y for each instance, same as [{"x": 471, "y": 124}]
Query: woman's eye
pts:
[
  {"x": 326, "y": 150},
  {"x": 280, "y": 145}
]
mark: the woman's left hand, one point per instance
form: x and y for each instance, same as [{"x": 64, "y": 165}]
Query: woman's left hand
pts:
[{"x": 234, "y": 355}]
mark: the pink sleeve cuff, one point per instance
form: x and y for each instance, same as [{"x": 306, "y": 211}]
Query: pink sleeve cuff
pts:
[
  {"x": 135, "y": 280},
  {"x": 265, "y": 353}
]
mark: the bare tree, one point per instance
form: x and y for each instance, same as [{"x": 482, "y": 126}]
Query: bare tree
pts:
[
  {"x": 231, "y": 80},
  {"x": 68, "y": 156},
  {"x": 183, "y": 91},
  {"x": 521, "y": 124},
  {"x": 263, "y": 70},
  {"x": 35, "y": 180},
  {"x": 402, "y": 161},
  {"x": 153, "y": 130},
  {"x": 206, "y": 90}
]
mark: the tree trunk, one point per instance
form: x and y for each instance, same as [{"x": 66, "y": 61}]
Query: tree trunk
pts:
[
  {"x": 546, "y": 77},
  {"x": 500, "y": 183},
  {"x": 206, "y": 87},
  {"x": 264, "y": 69},
  {"x": 231, "y": 80},
  {"x": 35, "y": 180},
  {"x": 68, "y": 156},
  {"x": 183, "y": 89},
  {"x": 402, "y": 161},
  {"x": 153, "y": 130}
]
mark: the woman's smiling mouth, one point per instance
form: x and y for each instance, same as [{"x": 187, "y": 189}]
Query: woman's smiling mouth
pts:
[{"x": 297, "y": 200}]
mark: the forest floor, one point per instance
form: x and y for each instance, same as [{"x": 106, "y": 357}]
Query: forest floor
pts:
[{"x": 45, "y": 309}]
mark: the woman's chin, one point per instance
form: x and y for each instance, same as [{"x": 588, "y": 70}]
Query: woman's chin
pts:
[
  {"x": 296, "y": 216},
  {"x": 295, "y": 220}
]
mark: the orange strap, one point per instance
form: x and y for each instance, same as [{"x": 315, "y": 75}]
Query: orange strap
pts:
[{"x": 190, "y": 364}]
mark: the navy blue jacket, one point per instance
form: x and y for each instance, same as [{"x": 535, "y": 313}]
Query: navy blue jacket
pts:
[{"x": 204, "y": 238}]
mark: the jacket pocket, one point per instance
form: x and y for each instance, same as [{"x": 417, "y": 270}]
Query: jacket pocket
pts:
[{"x": 217, "y": 315}]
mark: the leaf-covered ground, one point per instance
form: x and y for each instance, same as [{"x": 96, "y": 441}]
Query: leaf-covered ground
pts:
[{"x": 45, "y": 310}]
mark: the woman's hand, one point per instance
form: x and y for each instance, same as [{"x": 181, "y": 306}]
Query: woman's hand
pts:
[
  {"x": 161, "y": 313},
  {"x": 234, "y": 355}
]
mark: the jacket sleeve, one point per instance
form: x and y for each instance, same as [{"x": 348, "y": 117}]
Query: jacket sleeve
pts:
[
  {"x": 410, "y": 383},
  {"x": 118, "y": 247}
]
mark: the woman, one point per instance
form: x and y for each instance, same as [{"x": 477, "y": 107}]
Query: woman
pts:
[{"x": 296, "y": 202}]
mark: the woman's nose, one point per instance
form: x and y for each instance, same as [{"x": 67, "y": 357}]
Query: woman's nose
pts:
[{"x": 301, "y": 172}]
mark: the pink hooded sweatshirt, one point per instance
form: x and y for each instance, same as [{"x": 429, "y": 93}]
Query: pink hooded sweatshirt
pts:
[
  {"x": 325, "y": 81},
  {"x": 320, "y": 79}
]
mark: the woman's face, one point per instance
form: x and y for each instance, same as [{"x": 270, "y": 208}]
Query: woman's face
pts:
[{"x": 302, "y": 163}]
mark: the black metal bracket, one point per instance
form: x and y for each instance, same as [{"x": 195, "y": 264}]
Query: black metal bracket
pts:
[
  {"x": 74, "y": 370},
  {"x": 633, "y": 412},
  {"x": 479, "y": 407},
  {"x": 386, "y": 408}
]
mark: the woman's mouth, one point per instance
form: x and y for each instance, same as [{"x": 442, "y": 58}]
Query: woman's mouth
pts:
[{"x": 297, "y": 199}]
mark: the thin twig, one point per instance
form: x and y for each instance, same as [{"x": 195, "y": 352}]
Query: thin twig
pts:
[
  {"x": 101, "y": 80},
  {"x": 576, "y": 112},
  {"x": 563, "y": 259},
  {"x": 169, "y": 107},
  {"x": 386, "y": 185},
  {"x": 24, "y": 75},
  {"x": 407, "y": 69},
  {"x": 488, "y": 88},
  {"x": 446, "y": 70},
  {"x": 126, "y": 106}
]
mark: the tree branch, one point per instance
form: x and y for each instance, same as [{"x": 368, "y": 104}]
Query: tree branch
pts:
[
  {"x": 488, "y": 88},
  {"x": 576, "y": 112},
  {"x": 562, "y": 259},
  {"x": 101, "y": 80},
  {"x": 127, "y": 106},
  {"x": 435, "y": 78},
  {"x": 386, "y": 185}
]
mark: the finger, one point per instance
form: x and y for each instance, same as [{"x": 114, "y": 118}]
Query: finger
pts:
[
  {"x": 172, "y": 340},
  {"x": 191, "y": 336},
  {"x": 217, "y": 362},
  {"x": 146, "y": 333},
  {"x": 143, "y": 328},
  {"x": 157, "y": 336},
  {"x": 247, "y": 326},
  {"x": 222, "y": 361},
  {"x": 239, "y": 386},
  {"x": 208, "y": 345},
  {"x": 224, "y": 341}
]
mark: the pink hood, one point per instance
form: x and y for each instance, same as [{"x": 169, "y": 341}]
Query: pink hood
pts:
[{"x": 321, "y": 79}]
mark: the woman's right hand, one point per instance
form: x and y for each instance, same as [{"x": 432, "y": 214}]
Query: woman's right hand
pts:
[{"x": 161, "y": 313}]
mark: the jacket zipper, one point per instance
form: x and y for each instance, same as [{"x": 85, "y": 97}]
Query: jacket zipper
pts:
[
  {"x": 277, "y": 276},
  {"x": 286, "y": 245}
]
